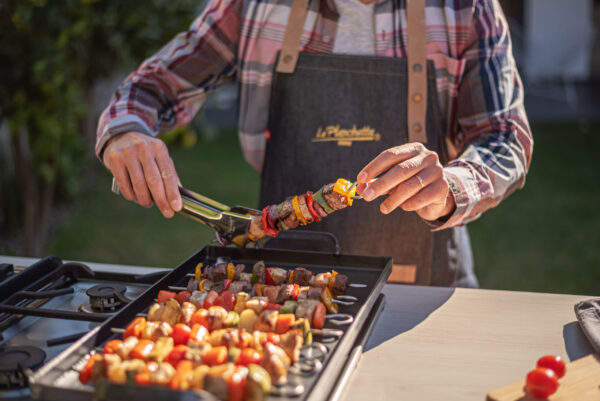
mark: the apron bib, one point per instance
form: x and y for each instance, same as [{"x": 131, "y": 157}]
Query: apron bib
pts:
[{"x": 331, "y": 115}]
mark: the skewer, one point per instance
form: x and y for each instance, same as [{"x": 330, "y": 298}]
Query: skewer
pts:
[
  {"x": 343, "y": 299},
  {"x": 117, "y": 330},
  {"x": 352, "y": 285}
]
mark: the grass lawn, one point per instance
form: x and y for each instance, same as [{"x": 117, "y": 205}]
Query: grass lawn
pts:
[{"x": 545, "y": 237}]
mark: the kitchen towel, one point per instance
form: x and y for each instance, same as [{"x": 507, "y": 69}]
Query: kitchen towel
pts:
[{"x": 588, "y": 314}]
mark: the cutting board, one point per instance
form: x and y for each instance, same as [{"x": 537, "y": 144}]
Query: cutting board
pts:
[{"x": 580, "y": 383}]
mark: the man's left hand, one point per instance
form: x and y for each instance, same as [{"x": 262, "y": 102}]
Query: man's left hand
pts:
[{"x": 414, "y": 179}]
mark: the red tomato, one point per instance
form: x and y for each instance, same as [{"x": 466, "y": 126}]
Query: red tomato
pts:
[
  {"x": 199, "y": 333},
  {"x": 553, "y": 362},
  {"x": 541, "y": 382},
  {"x": 112, "y": 346},
  {"x": 183, "y": 296},
  {"x": 236, "y": 385},
  {"x": 164, "y": 295},
  {"x": 85, "y": 374},
  {"x": 215, "y": 356},
  {"x": 135, "y": 328},
  {"x": 176, "y": 355},
  {"x": 199, "y": 317},
  {"x": 142, "y": 349},
  {"x": 181, "y": 334},
  {"x": 228, "y": 300},
  {"x": 210, "y": 299},
  {"x": 319, "y": 316},
  {"x": 248, "y": 356},
  {"x": 182, "y": 376},
  {"x": 284, "y": 322},
  {"x": 271, "y": 306}
]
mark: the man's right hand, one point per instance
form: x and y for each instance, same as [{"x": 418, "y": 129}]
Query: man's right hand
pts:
[{"x": 144, "y": 171}]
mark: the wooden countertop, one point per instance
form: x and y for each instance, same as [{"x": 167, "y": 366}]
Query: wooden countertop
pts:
[{"x": 435, "y": 343}]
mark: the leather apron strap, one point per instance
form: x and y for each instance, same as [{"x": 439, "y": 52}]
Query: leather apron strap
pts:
[
  {"x": 417, "y": 70},
  {"x": 288, "y": 57}
]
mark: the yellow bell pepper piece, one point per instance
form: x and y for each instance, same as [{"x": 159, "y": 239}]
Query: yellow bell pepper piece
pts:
[
  {"x": 201, "y": 285},
  {"x": 292, "y": 277},
  {"x": 327, "y": 299},
  {"x": 230, "y": 271},
  {"x": 296, "y": 206},
  {"x": 344, "y": 187},
  {"x": 198, "y": 272},
  {"x": 332, "y": 279}
]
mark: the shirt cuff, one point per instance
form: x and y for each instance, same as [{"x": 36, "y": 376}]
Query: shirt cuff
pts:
[
  {"x": 120, "y": 125},
  {"x": 464, "y": 190}
]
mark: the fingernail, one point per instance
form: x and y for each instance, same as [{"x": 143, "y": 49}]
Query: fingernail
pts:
[
  {"x": 369, "y": 194},
  {"x": 384, "y": 209},
  {"x": 362, "y": 177},
  {"x": 176, "y": 204}
]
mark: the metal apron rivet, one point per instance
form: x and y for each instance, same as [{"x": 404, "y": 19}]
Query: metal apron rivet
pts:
[
  {"x": 287, "y": 58},
  {"x": 417, "y": 127},
  {"x": 417, "y": 97},
  {"x": 417, "y": 67}
]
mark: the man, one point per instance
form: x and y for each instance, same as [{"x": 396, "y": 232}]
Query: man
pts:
[{"x": 424, "y": 103}]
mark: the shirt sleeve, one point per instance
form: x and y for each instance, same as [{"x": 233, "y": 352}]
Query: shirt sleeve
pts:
[
  {"x": 492, "y": 131},
  {"x": 167, "y": 90}
]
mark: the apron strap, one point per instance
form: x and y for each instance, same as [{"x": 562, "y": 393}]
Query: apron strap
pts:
[
  {"x": 288, "y": 57},
  {"x": 417, "y": 70}
]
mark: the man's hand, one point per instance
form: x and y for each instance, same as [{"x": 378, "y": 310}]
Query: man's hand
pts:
[
  {"x": 144, "y": 171},
  {"x": 399, "y": 167}
]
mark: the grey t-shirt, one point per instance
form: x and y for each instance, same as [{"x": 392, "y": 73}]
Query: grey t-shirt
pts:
[{"x": 356, "y": 28}]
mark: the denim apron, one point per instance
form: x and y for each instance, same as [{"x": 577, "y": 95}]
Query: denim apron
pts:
[{"x": 332, "y": 114}]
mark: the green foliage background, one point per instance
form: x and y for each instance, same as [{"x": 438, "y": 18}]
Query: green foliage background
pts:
[{"x": 52, "y": 52}]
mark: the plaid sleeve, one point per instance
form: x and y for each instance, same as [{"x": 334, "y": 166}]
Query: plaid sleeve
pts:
[
  {"x": 167, "y": 90},
  {"x": 492, "y": 130}
]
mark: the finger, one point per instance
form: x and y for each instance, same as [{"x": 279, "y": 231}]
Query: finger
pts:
[
  {"x": 360, "y": 188},
  {"x": 434, "y": 193},
  {"x": 114, "y": 163},
  {"x": 155, "y": 184},
  {"x": 400, "y": 173},
  {"x": 138, "y": 181},
  {"x": 387, "y": 159},
  {"x": 169, "y": 177},
  {"x": 122, "y": 178},
  {"x": 411, "y": 187}
]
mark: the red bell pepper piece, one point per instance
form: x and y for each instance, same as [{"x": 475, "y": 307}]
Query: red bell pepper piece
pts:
[
  {"x": 135, "y": 328},
  {"x": 164, "y": 295},
  {"x": 295, "y": 292},
  {"x": 176, "y": 355},
  {"x": 268, "y": 278},
  {"x": 226, "y": 284},
  {"x": 270, "y": 231},
  {"x": 272, "y": 306},
  {"x": 311, "y": 209},
  {"x": 85, "y": 374},
  {"x": 142, "y": 349},
  {"x": 183, "y": 296},
  {"x": 236, "y": 384}
]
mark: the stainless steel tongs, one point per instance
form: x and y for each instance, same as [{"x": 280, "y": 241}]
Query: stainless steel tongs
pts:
[{"x": 230, "y": 223}]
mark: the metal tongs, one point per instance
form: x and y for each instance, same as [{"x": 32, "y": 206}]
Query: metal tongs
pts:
[{"x": 230, "y": 223}]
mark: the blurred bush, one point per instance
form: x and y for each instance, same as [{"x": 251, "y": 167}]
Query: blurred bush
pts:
[{"x": 53, "y": 52}]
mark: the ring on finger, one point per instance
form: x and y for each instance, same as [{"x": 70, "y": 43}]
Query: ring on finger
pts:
[{"x": 420, "y": 181}]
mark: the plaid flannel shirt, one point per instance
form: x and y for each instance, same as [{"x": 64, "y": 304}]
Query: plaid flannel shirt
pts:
[{"x": 479, "y": 89}]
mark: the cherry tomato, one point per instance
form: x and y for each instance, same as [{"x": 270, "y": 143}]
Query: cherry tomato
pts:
[
  {"x": 553, "y": 362},
  {"x": 199, "y": 333},
  {"x": 248, "y": 356},
  {"x": 142, "y": 349},
  {"x": 181, "y": 334},
  {"x": 284, "y": 322},
  {"x": 215, "y": 356},
  {"x": 112, "y": 346},
  {"x": 319, "y": 316},
  {"x": 135, "y": 328},
  {"x": 227, "y": 300},
  {"x": 164, "y": 295},
  {"x": 236, "y": 384},
  {"x": 541, "y": 382},
  {"x": 183, "y": 296},
  {"x": 199, "y": 317},
  {"x": 210, "y": 299},
  {"x": 176, "y": 355},
  {"x": 85, "y": 374}
]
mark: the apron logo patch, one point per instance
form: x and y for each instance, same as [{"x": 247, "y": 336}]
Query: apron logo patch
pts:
[{"x": 345, "y": 137}]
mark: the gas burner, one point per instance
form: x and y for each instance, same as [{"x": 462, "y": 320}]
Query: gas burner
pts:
[
  {"x": 13, "y": 363},
  {"x": 105, "y": 298}
]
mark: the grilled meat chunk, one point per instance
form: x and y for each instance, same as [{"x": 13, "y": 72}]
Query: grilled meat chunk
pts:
[
  {"x": 278, "y": 275},
  {"x": 258, "y": 271},
  {"x": 187, "y": 310},
  {"x": 333, "y": 198},
  {"x": 220, "y": 272},
  {"x": 302, "y": 276},
  {"x": 285, "y": 292},
  {"x": 271, "y": 292},
  {"x": 339, "y": 284},
  {"x": 197, "y": 299},
  {"x": 314, "y": 293}
]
